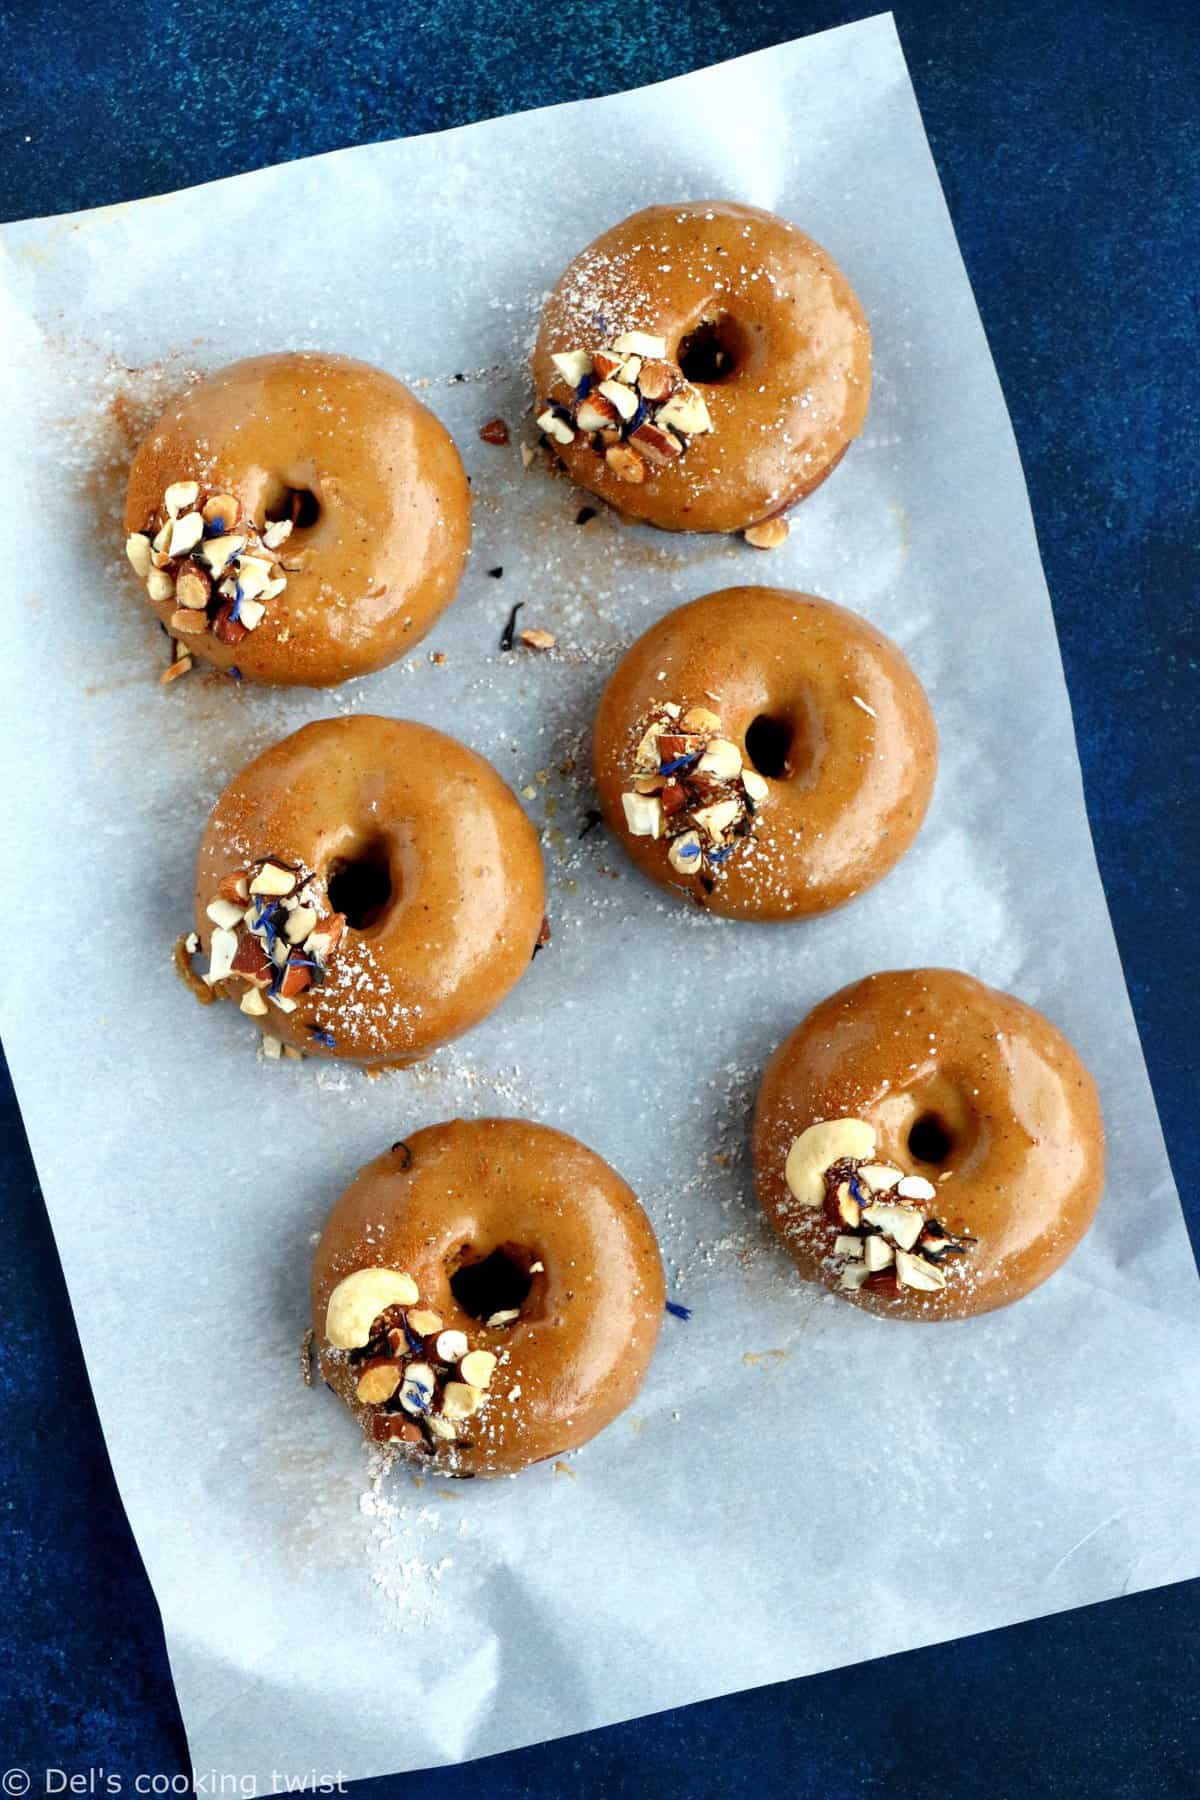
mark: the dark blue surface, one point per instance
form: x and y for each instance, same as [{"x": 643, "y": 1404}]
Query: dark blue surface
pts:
[{"x": 1066, "y": 139}]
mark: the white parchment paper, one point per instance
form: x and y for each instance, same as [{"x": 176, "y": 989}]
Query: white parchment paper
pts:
[{"x": 799, "y": 1485}]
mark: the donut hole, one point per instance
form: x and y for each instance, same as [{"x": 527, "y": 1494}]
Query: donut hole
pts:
[
  {"x": 360, "y": 885},
  {"x": 712, "y": 352},
  {"x": 498, "y": 1282},
  {"x": 769, "y": 741},
  {"x": 298, "y": 504},
  {"x": 930, "y": 1139}
]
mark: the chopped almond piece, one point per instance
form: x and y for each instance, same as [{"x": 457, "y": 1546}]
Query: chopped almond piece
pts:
[
  {"x": 322, "y": 942},
  {"x": 494, "y": 432},
  {"x": 187, "y": 622},
  {"x": 658, "y": 379},
  {"x": 235, "y": 887},
  {"x": 656, "y": 445},
  {"x": 295, "y": 979},
  {"x": 251, "y": 961},
  {"x": 536, "y": 639},
  {"x": 377, "y": 1383},
  {"x": 193, "y": 586},
  {"x": 596, "y": 413},
  {"x": 767, "y": 536},
  {"x": 625, "y": 463},
  {"x": 672, "y": 745},
  {"x": 180, "y": 666},
  {"x": 273, "y": 879},
  {"x": 698, "y": 718},
  {"x": 222, "y": 509},
  {"x": 227, "y": 629}
]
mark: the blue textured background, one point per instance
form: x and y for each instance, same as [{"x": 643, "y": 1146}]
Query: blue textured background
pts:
[{"x": 1067, "y": 141}]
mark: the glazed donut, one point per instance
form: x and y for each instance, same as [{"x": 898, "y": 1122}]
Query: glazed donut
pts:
[
  {"x": 764, "y": 753},
  {"x": 702, "y": 366},
  {"x": 367, "y": 888},
  {"x": 928, "y": 1147},
  {"x": 298, "y": 518},
  {"x": 486, "y": 1295}
]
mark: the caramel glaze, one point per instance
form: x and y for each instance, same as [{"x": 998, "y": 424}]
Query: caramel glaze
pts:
[
  {"x": 455, "y": 1192},
  {"x": 367, "y": 580},
  {"x": 467, "y": 896},
  {"x": 1025, "y": 1168},
  {"x": 856, "y": 784},
  {"x": 800, "y": 381}
]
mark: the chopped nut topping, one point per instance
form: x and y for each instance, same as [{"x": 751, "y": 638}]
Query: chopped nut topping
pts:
[
  {"x": 459, "y": 1401},
  {"x": 643, "y": 814},
  {"x": 556, "y": 424},
  {"x": 639, "y": 343},
  {"x": 916, "y": 1272},
  {"x": 179, "y": 496},
  {"x": 222, "y": 512},
  {"x": 477, "y": 1367},
  {"x": 767, "y": 536},
  {"x": 190, "y": 552},
  {"x": 273, "y": 878},
  {"x": 635, "y": 408},
  {"x": 137, "y": 549},
  {"x": 534, "y": 638},
  {"x": 421, "y": 1384},
  {"x": 269, "y": 934},
  {"x": 625, "y": 463},
  {"x": 876, "y": 1252},
  {"x": 377, "y": 1383},
  {"x": 690, "y": 785},
  {"x": 357, "y": 1302},
  {"x": 876, "y": 1214}
]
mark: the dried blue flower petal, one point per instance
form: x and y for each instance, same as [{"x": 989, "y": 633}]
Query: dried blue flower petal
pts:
[
  {"x": 235, "y": 671},
  {"x": 322, "y": 1036},
  {"x": 680, "y": 762},
  {"x": 677, "y": 1311}
]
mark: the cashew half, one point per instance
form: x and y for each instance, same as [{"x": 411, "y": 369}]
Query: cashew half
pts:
[
  {"x": 357, "y": 1302},
  {"x": 818, "y": 1148}
]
